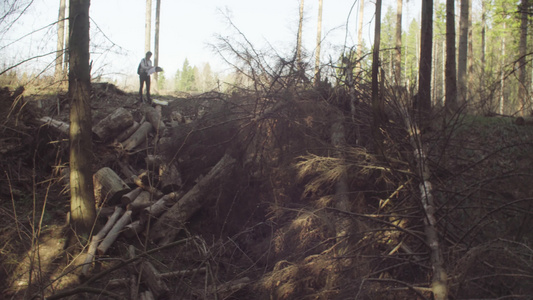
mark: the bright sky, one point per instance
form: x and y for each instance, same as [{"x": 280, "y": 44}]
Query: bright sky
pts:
[{"x": 188, "y": 27}]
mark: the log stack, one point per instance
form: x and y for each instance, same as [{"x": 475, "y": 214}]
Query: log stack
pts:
[{"x": 148, "y": 203}]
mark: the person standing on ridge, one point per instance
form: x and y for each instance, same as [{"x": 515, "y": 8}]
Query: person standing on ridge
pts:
[{"x": 144, "y": 70}]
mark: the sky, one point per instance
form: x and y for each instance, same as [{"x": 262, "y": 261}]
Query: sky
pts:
[{"x": 188, "y": 28}]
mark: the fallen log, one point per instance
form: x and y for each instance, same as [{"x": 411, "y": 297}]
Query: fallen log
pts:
[
  {"x": 169, "y": 224},
  {"x": 153, "y": 280},
  {"x": 138, "y": 137},
  {"x": 141, "y": 201},
  {"x": 133, "y": 229},
  {"x": 59, "y": 126},
  {"x": 114, "y": 233},
  {"x": 108, "y": 187},
  {"x": 155, "y": 118},
  {"x": 112, "y": 125},
  {"x": 158, "y": 208},
  {"x": 169, "y": 178},
  {"x": 129, "y": 197},
  {"x": 128, "y": 132},
  {"x": 97, "y": 238},
  {"x": 126, "y": 170}
]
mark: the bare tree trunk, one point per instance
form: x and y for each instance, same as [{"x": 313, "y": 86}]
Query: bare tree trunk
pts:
[
  {"x": 82, "y": 208},
  {"x": 483, "y": 47},
  {"x": 463, "y": 55},
  {"x": 360, "y": 32},
  {"x": 156, "y": 41},
  {"x": 398, "y": 60},
  {"x": 318, "y": 42},
  {"x": 299, "y": 37},
  {"x": 451, "y": 75},
  {"x": 424, "y": 79},
  {"x": 502, "y": 73},
  {"x": 377, "y": 101},
  {"x": 148, "y": 26},
  {"x": 522, "y": 48},
  {"x": 60, "y": 39}
]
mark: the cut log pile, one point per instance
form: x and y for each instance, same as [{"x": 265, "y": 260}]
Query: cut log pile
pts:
[{"x": 150, "y": 203}]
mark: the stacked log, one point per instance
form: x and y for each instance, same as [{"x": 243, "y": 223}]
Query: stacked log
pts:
[{"x": 113, "y": 124}]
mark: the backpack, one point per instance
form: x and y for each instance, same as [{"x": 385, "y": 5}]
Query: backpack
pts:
[{"x": 139, "y": 69}]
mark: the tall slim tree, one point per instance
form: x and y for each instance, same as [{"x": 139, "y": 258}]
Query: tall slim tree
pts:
[
  {"x": 148, "y": 26},
  {"x": 424, "y": 77},
  {"x": 450, "y": 69},
  {"x": 360, "y": 32},
  {"x": 377, "y": 101},
  {"x": 318, "y": 42},
  {"x": 82, "y": 207},
  {"x": 462, "y": 77},
  {"x": 483, "y": 45},
  {"x": 156, "y": 41},
  {"x": 60, "y": 39},
  {"x": 522, "y": 48},
  {"x": 398, "y": 54},
  {"x": 299, "y": 37}
]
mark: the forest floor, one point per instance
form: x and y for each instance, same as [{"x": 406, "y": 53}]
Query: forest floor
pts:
[{"x": 267, "y": 229}]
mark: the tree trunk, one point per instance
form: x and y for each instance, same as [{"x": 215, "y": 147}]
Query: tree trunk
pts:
[
  {"x": 502, "y": 73},
  {"x": 360, "y": 33},
  {"x": 148, "y": 26},
  {"x": 483, "y": 46},
  {"x": 424, "y": 79},
  {"x": 318, "y": 43},
  {"x": 398, "y": 56},
  {"x": 522, "y": 49},
  {"x": 82, "y": 208},
  {"x": 299, "y": 38},
  {"x": 60, "y": 39},
  {"x": 113, "y": 124},
  {"x": 462, "y": 78},
  {"x": 156, "y": 40},
  {"x": 451, "y": 79},
  {"x": 377, "y": 103}
]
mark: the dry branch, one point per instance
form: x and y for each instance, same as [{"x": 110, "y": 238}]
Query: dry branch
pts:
[{"x": 183, "y": 272}]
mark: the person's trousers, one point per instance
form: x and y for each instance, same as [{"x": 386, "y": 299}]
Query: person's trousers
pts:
[{"x": 143, "y": 78}]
